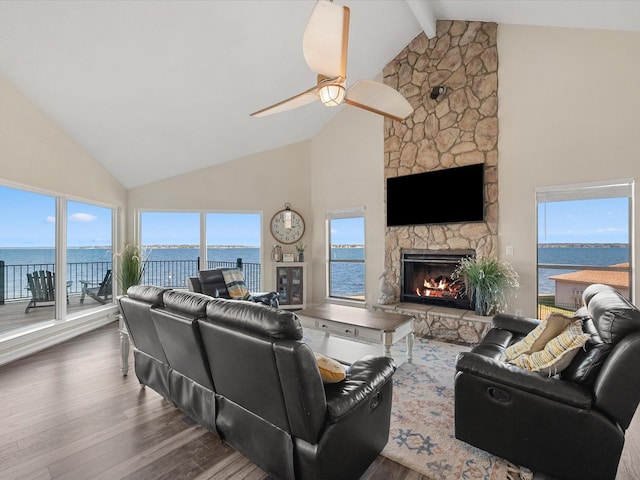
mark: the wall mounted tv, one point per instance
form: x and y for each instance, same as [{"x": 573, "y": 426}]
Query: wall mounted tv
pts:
[{"x": 452, "y": 195}]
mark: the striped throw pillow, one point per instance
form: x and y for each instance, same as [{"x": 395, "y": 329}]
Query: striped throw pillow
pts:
[
  {"x": 234, "y": 279},
  {"x": 557, "y": 353},
  {"x": 550, "y": 327}
]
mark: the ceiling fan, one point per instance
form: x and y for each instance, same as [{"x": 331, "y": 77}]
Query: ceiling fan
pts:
[{"x": 324, "y": 45}]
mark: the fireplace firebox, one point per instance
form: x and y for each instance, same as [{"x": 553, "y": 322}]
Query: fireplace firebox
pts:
[{"x": 426, "y": 278}]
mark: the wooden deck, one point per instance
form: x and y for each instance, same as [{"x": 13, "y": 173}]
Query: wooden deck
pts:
[{"x": 13, "y": 316}]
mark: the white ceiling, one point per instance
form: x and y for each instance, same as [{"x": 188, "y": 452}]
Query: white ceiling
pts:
[{"x": 152, "y": 89}]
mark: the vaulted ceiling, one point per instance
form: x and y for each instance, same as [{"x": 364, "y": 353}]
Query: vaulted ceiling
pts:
[{"x": 153, "y": 89}]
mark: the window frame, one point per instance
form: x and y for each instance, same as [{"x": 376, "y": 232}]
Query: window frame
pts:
[
  {"x": 60, "y": 313},
  {"x": 623, "y": 188},
  {"x": 203, "y": 260}
]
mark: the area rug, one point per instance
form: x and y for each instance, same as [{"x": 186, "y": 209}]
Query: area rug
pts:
[{"x": 422, "y": 421}]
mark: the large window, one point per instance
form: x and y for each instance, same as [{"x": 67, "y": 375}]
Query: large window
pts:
[
  {"x": 346, "y": 271},
  {"x": 41, "y": 278},
  {"x": 584, "y": 237},
  {"x": 172, "y": 248}
]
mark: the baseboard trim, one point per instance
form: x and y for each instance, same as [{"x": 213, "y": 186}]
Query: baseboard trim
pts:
[{"x": 54, "y": 333}]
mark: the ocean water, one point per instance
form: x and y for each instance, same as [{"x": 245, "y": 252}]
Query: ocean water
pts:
[
  {"x": 592, "y": 255},
  {"x": 347, "y": 279},
  {"x": 165, "y": 266}
]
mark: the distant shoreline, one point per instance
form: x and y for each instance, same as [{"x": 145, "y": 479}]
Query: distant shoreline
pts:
[
  {"x": 583, "y": 245},
  {"x": 153, "y": 247}
]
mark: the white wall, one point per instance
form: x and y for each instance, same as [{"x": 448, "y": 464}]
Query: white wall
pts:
[
  {"x": 569, "y": 112},
  {"x": 258, "y": 183},
  {"x": 347, "y": 170},
  {"x": 36, "y": 152}
]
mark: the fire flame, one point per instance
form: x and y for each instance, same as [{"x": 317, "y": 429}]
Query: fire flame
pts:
[{"x": 438, "y": 287}]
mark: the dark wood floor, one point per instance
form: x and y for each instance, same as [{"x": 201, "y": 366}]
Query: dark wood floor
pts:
[{"x": 67, "y": 413}]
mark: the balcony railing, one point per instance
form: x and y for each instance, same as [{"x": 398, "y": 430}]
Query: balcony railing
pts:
[{"x": 164, "y": 273}]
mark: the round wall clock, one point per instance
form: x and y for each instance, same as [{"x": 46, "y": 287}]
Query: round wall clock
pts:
[{"x": 287, "y": 226}]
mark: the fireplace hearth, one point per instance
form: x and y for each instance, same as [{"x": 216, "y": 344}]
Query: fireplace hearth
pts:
[{"x": 426, "y": 278}]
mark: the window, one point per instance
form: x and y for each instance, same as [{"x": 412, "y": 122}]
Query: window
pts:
[
  {"x": 27, "y": 247},
  {"x": 40, "y": 279},
  {"x": 170, "y": 246},
  {"x": 584, "y": 237},
  {"x": 171, "y": 243},
  {"x": 346, "y": 245},
  {"x": 89, "y": 254}
]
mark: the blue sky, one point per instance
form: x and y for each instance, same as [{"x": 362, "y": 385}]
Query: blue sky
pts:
[
  {"x": 28, "y": 220},
  {"x": 584, "y": 221}
]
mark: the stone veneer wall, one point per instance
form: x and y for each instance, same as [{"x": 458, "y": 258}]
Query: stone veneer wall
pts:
[{"x": 459, "y": 129}]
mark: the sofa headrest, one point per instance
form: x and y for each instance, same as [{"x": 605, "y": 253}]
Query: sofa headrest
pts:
[
  {"x": 613, "y": 315},
  {"x": 593, "y": 289},
  {"x": 264, "y": 321},
  {"x": 185, "y": 303},
  {"x": 212, "y": 282},
  {"x": 147, "y": 293}
]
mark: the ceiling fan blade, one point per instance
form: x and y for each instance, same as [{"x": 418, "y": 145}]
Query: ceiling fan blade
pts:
[
  {"x": 326, "y": 38},
  {"x": 378, "y": 98},
  {"x": 296, "y": 101}
]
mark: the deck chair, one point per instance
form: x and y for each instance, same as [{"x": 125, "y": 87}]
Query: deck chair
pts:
[
  {"x": 42, "y": 287},
  {"x": 101, "y": 293}
]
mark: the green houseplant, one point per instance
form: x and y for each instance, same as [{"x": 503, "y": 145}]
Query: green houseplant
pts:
[
  {"x": 131, "y": 263},
  {"x": 487, "y": 281},
  {"x": 300, "y": 248}
]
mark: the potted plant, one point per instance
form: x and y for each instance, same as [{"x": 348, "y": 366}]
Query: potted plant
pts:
[
  {"x": 131, "y": 268},
  {"x": 300, "y": 248},
  {"x": 487, "y": 281}
]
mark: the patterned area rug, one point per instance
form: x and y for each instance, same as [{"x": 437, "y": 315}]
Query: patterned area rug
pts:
[{"x": 422, "y": 421}]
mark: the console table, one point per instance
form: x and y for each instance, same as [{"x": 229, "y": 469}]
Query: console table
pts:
[{"x": 360, "y": 325}]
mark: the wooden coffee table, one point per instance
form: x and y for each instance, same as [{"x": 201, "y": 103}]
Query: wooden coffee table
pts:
[{"x": 360, "y": 325}]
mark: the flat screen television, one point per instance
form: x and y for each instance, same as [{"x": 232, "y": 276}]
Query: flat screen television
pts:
[{"x": 452, "y": 195}]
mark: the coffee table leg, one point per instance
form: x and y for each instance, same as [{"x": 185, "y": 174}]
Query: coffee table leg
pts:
[{"x": 410, "y": 348}]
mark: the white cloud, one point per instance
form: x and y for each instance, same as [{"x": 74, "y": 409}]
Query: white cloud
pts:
[
  {"x": 50, "y": 219},
  {"x": 82, "y": 217}
]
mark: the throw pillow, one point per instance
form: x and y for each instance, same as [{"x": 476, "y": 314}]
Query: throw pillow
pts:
[
  {"x": 234, "y": 279},
  {"x": 536, "y": 339},
  {"x": 557, "y": 353},
  {"x": 331, "y": 371}
]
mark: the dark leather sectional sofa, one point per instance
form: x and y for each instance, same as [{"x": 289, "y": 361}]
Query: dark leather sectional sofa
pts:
[{"x": 241, "y": 370}]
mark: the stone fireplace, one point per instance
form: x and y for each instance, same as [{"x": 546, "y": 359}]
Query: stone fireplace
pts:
[
  {"x": 457, "y": 129},
  {"x": 426, "y": 278}
]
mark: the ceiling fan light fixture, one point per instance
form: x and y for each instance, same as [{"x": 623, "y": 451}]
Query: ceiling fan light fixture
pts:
[{"x": 332, "y": 95}]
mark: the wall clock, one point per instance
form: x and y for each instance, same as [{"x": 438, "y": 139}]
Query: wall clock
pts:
[{"x": 287, "y": 226}]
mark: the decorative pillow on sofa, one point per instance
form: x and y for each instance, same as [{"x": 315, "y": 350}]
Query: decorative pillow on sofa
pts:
[
  {"x": 536, "y": 339},
  {"x": 236, "y": 287},
  {"x": 557, "y": 353},
  {"x": 331, "y": 371}
]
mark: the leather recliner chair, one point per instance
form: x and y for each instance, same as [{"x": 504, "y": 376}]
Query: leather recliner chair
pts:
[
  {"x": 211, "y": 282},
  {"x": 571, "y": 425}
]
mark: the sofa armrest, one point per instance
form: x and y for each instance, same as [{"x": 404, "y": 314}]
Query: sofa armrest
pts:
[
  {"x": 271, "y": 299},
  {"x": 521, "y": 325},
  {"x": 364, "y": 378},
  {"x": 511, "y": 376}
]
